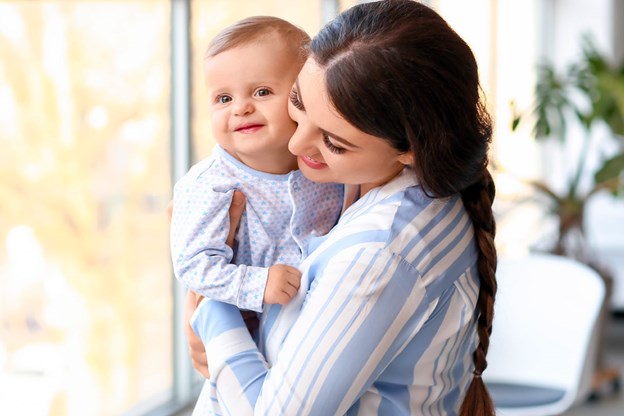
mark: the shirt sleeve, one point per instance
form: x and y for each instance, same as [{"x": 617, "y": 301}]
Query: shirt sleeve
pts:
[
  {"x": 201, "y": 259},
  {"x": 359, "y": 314}
]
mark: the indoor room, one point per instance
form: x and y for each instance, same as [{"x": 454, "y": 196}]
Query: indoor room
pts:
[{"x": 104, "y": 108}]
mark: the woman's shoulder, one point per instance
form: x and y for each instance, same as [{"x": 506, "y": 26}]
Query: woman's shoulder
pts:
[
  {"x": 409, "y": 221},
  {"x": 399, "y": 208}
]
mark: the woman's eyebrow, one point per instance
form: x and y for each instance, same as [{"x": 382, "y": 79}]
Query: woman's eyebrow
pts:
[{"x": 299, "y": 95}]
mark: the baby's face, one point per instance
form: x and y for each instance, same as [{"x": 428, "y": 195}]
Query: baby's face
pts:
[{"x": 248, "y": 88}]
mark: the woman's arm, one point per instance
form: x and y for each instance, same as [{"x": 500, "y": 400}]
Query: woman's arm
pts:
[
  {"x": 196, "y": 346},
  {"x": 359, "y": 314}
]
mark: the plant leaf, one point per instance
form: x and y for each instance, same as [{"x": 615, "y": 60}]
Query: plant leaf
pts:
[
  {"x": 515, "y": 122},
  {"x": 611, "y": 168},
  {"x": 545, "y": 189}
]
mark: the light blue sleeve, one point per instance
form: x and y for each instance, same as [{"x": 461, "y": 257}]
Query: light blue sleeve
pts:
[
  {"x": 227, "y": 340},
  {"x": 357, "y": 317},
  {"x": 201, "y": 259}
]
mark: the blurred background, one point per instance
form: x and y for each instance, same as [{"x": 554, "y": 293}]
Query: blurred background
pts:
[{"x": 102, "y": 108}]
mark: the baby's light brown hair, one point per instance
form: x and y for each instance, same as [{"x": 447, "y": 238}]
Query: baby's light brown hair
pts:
[{"x": 257, "y": 27}]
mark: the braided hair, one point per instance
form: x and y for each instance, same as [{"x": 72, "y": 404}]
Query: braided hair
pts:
[{"x": 403, "y": 54}]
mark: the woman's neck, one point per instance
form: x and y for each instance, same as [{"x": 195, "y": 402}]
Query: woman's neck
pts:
[{"x": 352, "y": 194}]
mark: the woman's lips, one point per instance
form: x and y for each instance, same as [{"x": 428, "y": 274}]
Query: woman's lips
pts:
[
  {"x": 248, "y": 128},
  {"x": 312, "y": 163}
]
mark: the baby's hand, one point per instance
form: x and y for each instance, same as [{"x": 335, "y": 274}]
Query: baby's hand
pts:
[{"x": 282, "y": 284}]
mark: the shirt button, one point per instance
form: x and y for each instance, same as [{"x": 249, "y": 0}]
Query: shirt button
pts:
[
  {"x": 296, "y": 186},
  {"x": 297, "y": 231}
]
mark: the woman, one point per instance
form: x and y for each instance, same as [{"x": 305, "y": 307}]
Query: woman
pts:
[{"x": 395, "y": 310}]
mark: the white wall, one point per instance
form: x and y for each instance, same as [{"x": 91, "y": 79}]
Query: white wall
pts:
[
  {"x": 604, "y": 21},
  {"x": 510, "y": 39}
]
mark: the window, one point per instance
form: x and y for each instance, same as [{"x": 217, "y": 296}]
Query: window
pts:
[
  {"x": 505, "y": 36},
  {"x": 87, "y": 299},
  {"x": 85, "y": 282}
]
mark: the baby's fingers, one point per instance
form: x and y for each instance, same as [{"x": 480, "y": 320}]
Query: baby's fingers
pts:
[{"x": 290, "y": 291}]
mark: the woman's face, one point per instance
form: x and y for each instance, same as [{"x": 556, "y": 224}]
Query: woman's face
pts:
[{"x": 328, "y": 147}]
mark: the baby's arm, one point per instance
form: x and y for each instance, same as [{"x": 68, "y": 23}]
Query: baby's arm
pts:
[
  {"x": 282, "y": 284},
  {"x": 201, "y": 258}
]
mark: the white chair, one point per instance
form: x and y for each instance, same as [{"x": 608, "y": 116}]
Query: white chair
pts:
[{"x": 544, "y": 343}]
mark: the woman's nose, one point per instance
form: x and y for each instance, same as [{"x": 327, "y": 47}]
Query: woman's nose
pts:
[{"x": 301, "y": 141}]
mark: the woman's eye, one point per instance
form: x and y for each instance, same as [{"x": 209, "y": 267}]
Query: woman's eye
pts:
[
  {"x": 263, "y": 92},
  {"x": 332, "y": 147},
  {"x": 294, "y": 100},
  {"x": 223, "y": 99}
]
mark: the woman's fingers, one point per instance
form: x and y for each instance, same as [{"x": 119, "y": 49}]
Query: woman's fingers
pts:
[
  {"x": 236, "y": 212},
  {"x": 170, "y": 210},
  {"x": 196, "y": 346}
]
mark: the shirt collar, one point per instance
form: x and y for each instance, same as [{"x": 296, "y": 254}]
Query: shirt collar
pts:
[{"x": 405, "y": 179}]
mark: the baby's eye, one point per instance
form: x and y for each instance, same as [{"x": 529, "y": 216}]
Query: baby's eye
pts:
[
  {"x": 262, "y": 92},
  {"x": 223, "y": 99}
]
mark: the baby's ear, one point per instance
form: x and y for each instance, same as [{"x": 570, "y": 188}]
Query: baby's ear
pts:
[{"x": 406, "y": 158}]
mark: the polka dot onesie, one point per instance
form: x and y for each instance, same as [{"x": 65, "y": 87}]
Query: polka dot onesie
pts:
[{"x": 282, "y": 213}]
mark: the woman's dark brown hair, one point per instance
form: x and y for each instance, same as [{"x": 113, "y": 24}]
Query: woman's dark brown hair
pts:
[{"x": 396, "y": 70}]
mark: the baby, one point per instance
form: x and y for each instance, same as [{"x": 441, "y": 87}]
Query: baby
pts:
[{"x": 250, "y": 68}]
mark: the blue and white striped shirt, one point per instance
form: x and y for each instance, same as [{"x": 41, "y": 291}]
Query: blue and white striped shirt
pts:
[{"x": 383, "y": 323}]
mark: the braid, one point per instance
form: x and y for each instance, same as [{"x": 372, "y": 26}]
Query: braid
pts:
[
  {"x": 478, "y": 199},
  {"x": 427, "y": 78}
]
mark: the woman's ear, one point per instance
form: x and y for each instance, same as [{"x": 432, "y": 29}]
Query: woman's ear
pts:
[{"x": 406, "y": 158}]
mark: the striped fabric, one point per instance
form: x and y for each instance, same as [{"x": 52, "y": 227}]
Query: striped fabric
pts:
[{"x": 383, "y": 325}]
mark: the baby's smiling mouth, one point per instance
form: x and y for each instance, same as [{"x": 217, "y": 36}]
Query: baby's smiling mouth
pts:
[{"x": 248, "y": 128}]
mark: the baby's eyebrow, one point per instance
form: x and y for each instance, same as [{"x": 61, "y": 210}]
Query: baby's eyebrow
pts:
[{"x": 218, "y": 91}]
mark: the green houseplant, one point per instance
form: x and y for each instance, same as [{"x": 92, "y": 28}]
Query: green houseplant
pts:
[{"x": 590, "y": 92}]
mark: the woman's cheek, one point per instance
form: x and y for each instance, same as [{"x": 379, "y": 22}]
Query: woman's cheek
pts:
[{"x": 292, "y": 111}]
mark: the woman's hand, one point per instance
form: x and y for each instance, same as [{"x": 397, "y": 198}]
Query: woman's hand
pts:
[
  {"x": 236, "y": 212},
  {"x": 196, "y": 347}
]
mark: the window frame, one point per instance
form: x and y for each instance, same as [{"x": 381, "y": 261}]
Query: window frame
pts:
[{"x": 186, "y": 382}]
